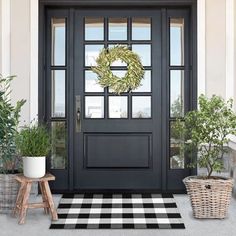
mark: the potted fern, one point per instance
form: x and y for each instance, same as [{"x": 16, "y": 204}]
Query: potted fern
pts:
[
  {"x": 206, "y": 133},
  {"x": 33, "y": 143},
  {"x": 9, "y": 159}
]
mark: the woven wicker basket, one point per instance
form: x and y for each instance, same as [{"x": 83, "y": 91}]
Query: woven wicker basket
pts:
[
  {"x": 8, "y": 192},
  {"x": 210, "y": 198}
]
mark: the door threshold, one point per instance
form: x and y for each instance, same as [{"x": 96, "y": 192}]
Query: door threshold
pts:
[{"x": 118, "y": 191}]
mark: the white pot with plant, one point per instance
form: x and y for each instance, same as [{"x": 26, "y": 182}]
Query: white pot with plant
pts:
[
  {"x": 206, "y": 134},
  {"x": 34, "y": 145}
]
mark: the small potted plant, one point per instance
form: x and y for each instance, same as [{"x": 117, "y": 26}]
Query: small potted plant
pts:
[
  {"x": 33, "y": 143},
  {"x": 9, "y": 159},
  {"x": 206, "y": 134}
]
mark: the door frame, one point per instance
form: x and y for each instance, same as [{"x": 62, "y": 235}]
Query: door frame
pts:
[{"x": 175, "y": 4}]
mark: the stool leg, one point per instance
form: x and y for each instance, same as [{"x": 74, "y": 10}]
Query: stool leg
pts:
[
  {"x": 50, "y": 200},
  {"x": 24, "y": 203},
  {"x": 44, "y": 197},
  {"x": 19, "y": 199}
]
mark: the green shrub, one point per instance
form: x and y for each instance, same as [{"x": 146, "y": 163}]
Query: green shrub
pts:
[
  {"x": 9, "y": 121},
  {"x": 207, "y": 131},
  {"x": 33, "y": 141}
]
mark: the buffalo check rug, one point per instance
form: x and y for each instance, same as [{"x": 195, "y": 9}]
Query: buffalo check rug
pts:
[{"x": 118, "y": 211}]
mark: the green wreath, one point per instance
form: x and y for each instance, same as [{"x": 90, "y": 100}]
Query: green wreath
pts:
[{"x": 106, "y": 78}]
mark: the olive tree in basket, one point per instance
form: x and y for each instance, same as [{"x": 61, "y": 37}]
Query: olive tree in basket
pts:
[{"x": 207, "y": 131}]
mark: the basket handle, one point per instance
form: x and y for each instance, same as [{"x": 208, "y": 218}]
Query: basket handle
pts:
[{"x": 208, "y": 186}]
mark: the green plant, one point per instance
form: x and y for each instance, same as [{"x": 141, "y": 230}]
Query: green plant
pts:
[
  {"x": 33, "y": 141},
  {"x": 9, "y": 121},
  {"x": 207, "y": 131}
]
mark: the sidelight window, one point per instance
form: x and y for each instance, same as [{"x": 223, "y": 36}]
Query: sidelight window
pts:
[
  {"x": 58, "y": 85},
  {"x": 177, "y": 82}
]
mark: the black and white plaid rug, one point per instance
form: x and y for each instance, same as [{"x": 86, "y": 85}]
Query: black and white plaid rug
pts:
[{"x": 118, "y": 211}]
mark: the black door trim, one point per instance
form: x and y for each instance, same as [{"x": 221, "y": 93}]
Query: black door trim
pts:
[{"x": 117, "y": 2}]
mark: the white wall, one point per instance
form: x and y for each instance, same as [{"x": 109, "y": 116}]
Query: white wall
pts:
[
  {"x": 0, "y": 36},
  {"x": 215, "y": 47},
  {"x": 20, "y": 53},
  {"x": 5, "y": 37},
  {"x": 235, "y": 54}
]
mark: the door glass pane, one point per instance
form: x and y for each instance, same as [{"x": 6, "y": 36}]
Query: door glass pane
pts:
[
  {"x": 177, "y": 41},
  {"x": 117, "y": 29},
  {"x": 91, "y": 54},
  {"x": 118, "y": 107},
  {"x": 94, "y": 28},
  {"x": 145, "y": 83},
  {"x": 144, "y": 51},
  {"x": 141, "y": 29},
  {"x": 59, "y": 150},
  {"x": 58, "y": 41},
  {"x": 141, "y": 106},
  {"x": 94, "y": 107},
  {"x": 176, "y": 150},
  {"x": 176, "y": 93},
  {"x": 58, "y": 93},
  {"x": 91, "y": 82}
]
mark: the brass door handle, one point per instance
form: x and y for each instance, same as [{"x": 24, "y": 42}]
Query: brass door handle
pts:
[{"x": 78, "y": 113}]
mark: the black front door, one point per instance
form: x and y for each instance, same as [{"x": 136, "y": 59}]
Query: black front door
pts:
[
  {"x": 102, "y": 141},
  {"x": 118, "y": 143}
]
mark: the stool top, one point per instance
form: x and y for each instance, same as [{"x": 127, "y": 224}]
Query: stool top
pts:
[{"x": 47, "y": 177}]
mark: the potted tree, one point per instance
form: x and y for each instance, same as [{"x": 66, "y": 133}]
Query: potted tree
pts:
[
  {"x": 9, "y": 161},
  {"x": 33, "y": 143},
  {"x": 206, "y": 132}
]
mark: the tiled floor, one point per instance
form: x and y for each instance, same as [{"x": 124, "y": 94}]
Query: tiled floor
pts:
[{"x": 37, "y": 224}]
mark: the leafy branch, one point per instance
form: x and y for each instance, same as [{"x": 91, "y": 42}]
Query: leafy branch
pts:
[
  {"x": 9, "y": 121},
  {"x": 207, "y": 131}
]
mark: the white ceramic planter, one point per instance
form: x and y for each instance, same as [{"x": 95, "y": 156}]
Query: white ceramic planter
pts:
[{"x": 34, "y": 167}]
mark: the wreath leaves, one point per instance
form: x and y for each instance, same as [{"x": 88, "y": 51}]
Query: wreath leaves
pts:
[{"x": 133, "y": 76}]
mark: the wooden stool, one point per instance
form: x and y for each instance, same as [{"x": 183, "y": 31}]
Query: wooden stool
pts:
[{"x": 23, "y": 196}]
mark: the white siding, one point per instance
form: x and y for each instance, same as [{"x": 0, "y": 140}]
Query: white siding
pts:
[
  {"x": 20, "y": 53},
  {"x": 235, "y": 54},
  {"x": 0, "y": 36},
  {"x": 215, "y": 47}
]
